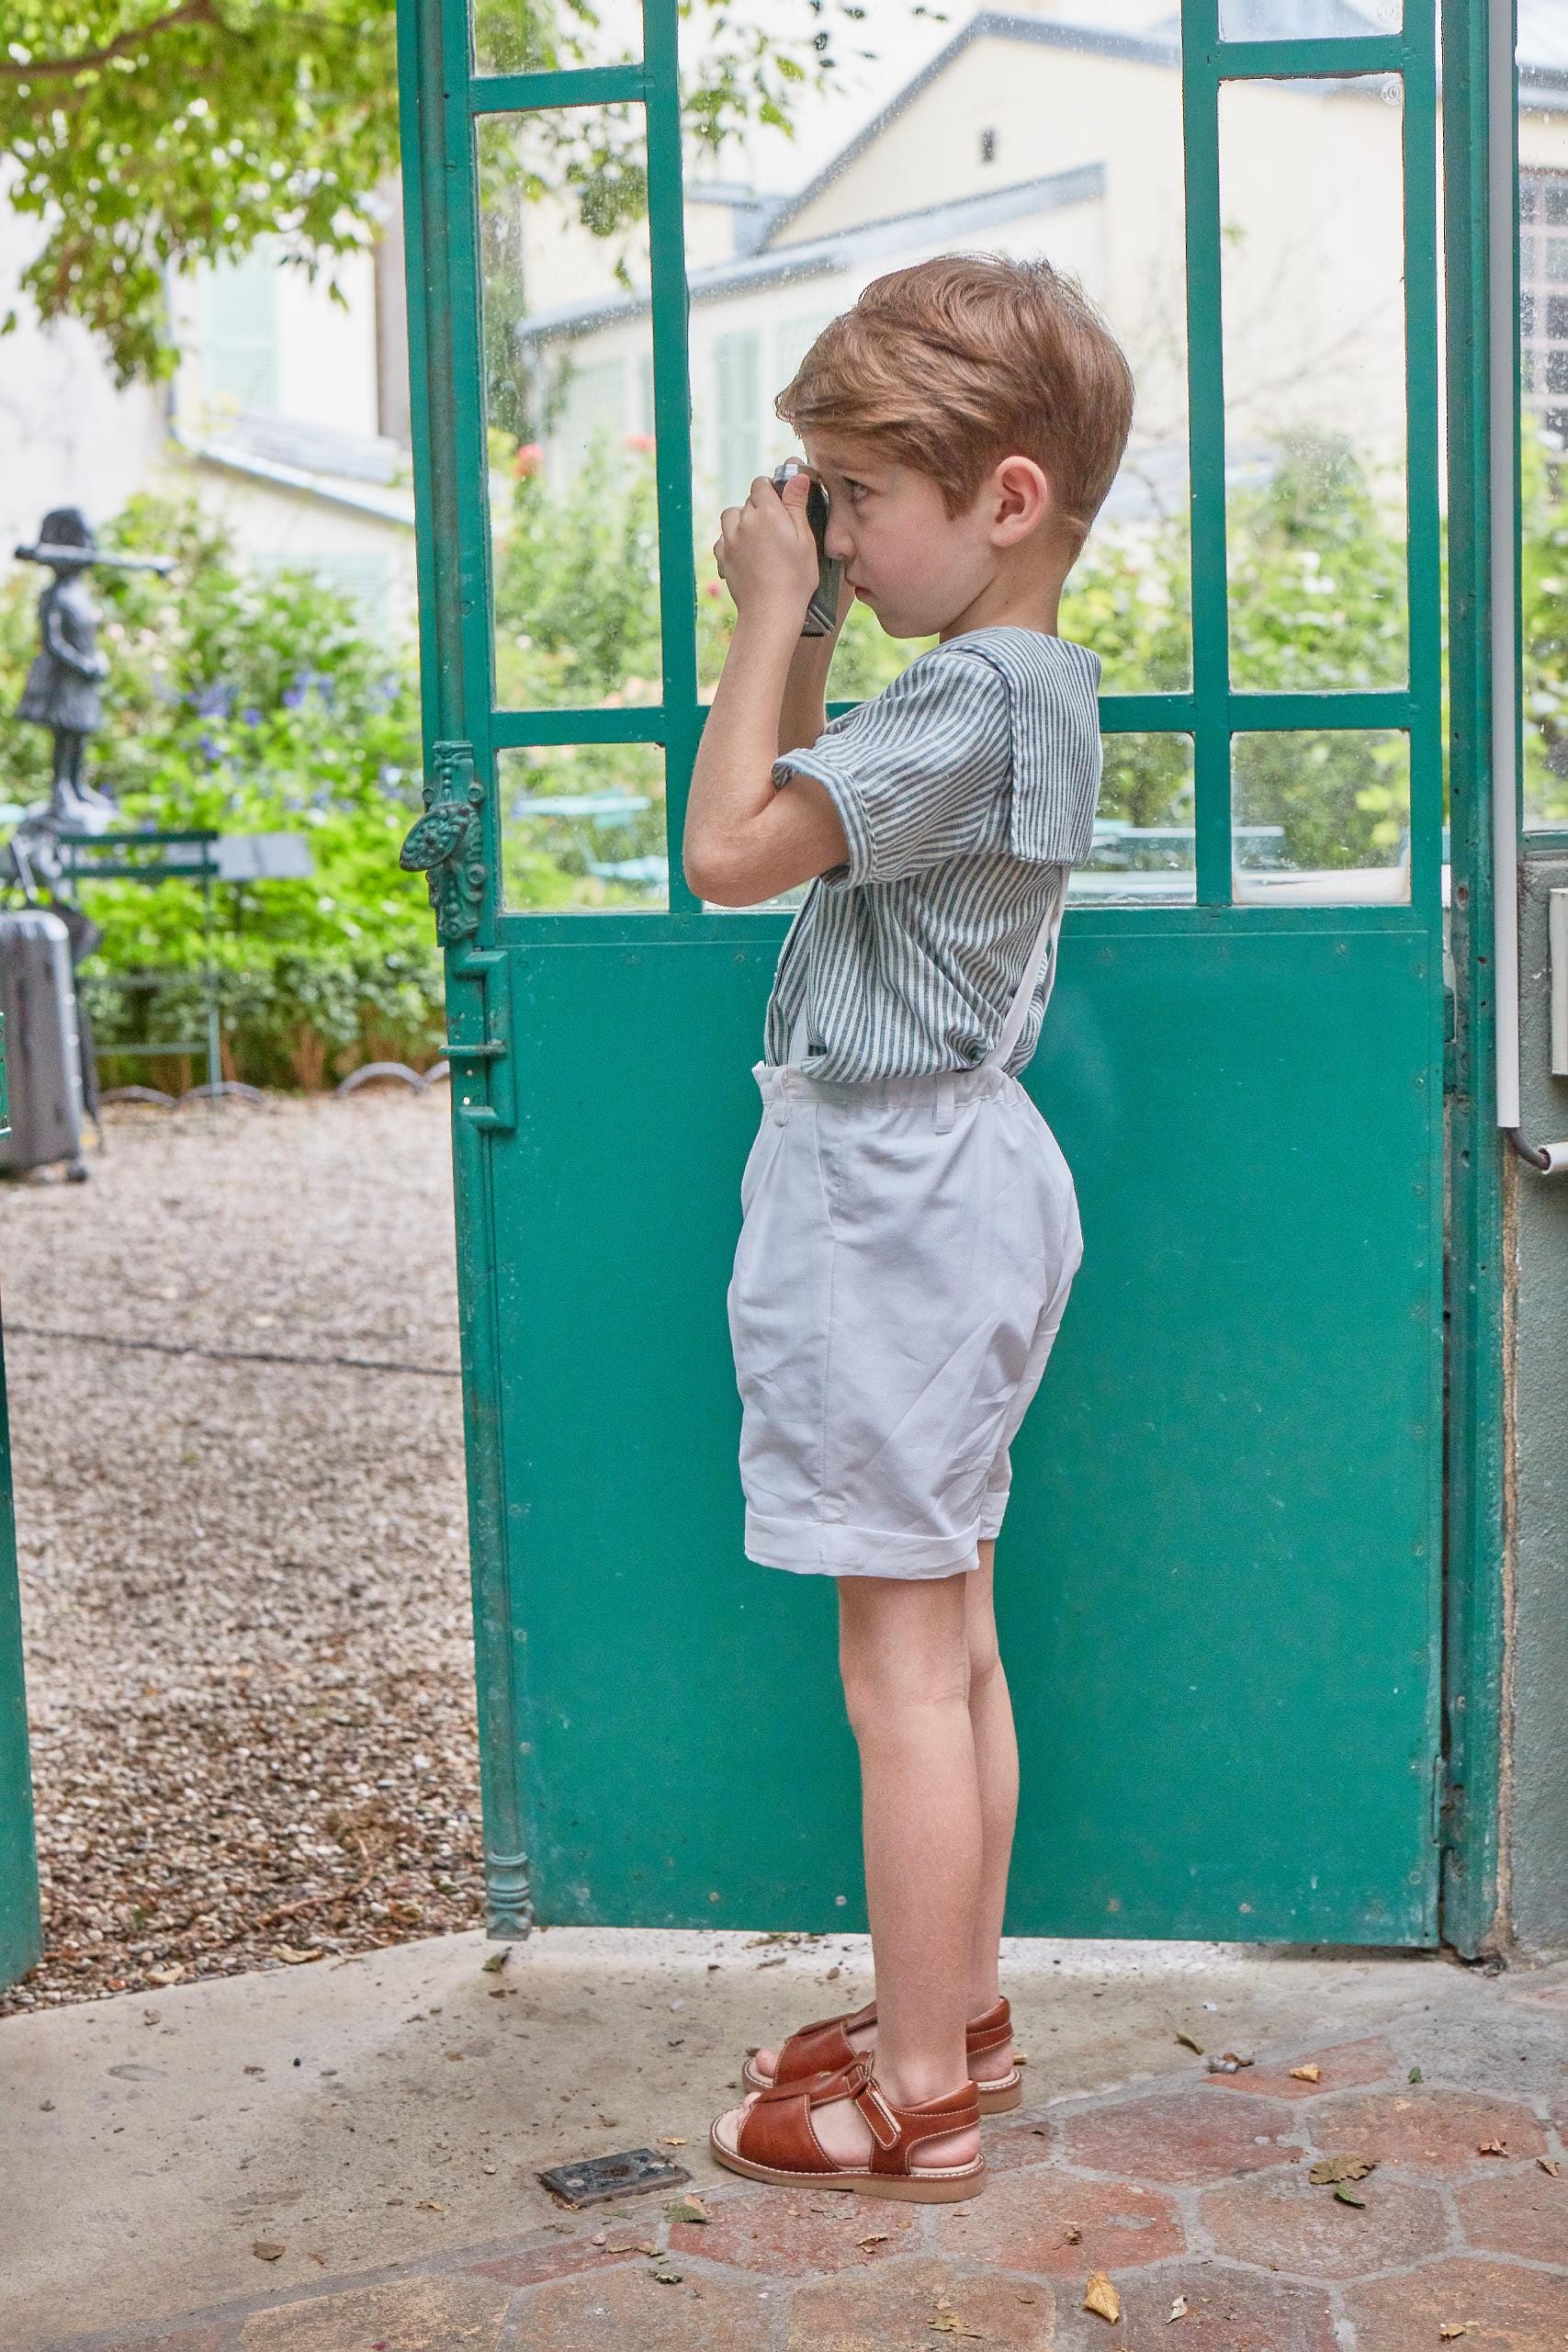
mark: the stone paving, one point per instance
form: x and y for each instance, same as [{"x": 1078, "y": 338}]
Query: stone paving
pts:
[{"x": 1197, "y": 2203}]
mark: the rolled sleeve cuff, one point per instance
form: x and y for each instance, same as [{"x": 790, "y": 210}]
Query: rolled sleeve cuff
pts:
[{"x": 841, "y": 791}]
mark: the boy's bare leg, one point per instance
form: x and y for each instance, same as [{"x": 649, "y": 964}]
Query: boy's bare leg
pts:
[
  {"x": 995, "y": 1762},
  {"x": 905, "y": 1658},
  {"x": 996, "y": 1768}
]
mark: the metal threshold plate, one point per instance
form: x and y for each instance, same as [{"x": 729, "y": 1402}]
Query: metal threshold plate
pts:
[{"x": 599, "y": 2178}]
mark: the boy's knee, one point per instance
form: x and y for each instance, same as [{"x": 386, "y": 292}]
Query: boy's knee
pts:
[{"x": 882, "y": 1680}]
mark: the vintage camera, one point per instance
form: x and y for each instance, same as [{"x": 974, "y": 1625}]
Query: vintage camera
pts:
[{"x": 822, "y": 612}]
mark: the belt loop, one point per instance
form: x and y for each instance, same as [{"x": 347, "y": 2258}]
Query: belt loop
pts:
[
  {"x": 946, "y": 1102},
  {"x": 781, "y": 1099}
]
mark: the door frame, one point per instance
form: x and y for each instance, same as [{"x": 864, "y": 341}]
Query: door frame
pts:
[
  {"x": 453, "y": 561},
  {"x": 1482, "y": 1172}
]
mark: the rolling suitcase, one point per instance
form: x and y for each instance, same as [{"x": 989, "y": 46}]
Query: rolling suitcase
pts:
[{"x": 43, "y": 1063}]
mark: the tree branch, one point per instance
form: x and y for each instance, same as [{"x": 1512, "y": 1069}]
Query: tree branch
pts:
[{"x": 44, "y": 69}]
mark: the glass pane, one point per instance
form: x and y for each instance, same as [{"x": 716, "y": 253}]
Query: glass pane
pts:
[
  {"x": 1543, "y": 419},
  {"x": 1320, "y": 819},
  {"x": 1307, "y": 19},
  {"x": 1314, "y": 331},
  {"x": 569, "y": 408},
  {"x": 1143, "y": 851},
  {"x": 583, "y": 826},
  {"x": 1015, "y": 162},
  {"x": 552, "y": 36}
]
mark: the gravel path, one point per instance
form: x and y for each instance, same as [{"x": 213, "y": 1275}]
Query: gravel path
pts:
[{"x": 237, "y": 1435}]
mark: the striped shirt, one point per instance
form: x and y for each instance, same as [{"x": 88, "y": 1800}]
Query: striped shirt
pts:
[{"x": 963, "y": 788}]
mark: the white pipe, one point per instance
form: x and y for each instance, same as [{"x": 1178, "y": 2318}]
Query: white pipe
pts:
[{"x": 1503, "y": 322}]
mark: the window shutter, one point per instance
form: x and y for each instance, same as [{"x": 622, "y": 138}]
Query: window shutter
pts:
[{"x": 239, "y": 336}]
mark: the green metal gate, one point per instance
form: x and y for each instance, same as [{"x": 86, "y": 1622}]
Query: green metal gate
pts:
[{"x": 1221, "y": 1578}]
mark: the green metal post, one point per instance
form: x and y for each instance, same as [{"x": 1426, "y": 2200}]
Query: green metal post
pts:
[
  {"x": 453, "y": 607},
  {"x": 21, "y": 1929},
  {"x": 1480, "y": 1171}
]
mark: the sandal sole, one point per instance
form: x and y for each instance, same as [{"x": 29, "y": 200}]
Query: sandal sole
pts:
[{"x": 917, "y": 2188}]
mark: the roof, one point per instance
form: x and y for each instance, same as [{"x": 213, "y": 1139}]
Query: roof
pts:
[
  {"x": 867, "y": 241},
  {"x": 1543, "y": 54}
]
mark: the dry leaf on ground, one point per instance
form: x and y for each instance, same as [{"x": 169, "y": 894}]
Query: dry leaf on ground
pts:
[
  {"x": 1551, "y": 2164},
  {"x": 1188, "y": 2043},
  {"x": 1306, "y": 2074},
  {"x": 1333, "y": 2169},
  {"x": 1179, "y": 2309},
  {"x": 687, "y": 2209},
  {"x": 1452, "y": 2327},
  {"x": 944, "y": 2322},
  {"x": 1490, "y": 2148},
  {"x": 267, "y": 2249},
  {"x": 1100, "y": 2296}
]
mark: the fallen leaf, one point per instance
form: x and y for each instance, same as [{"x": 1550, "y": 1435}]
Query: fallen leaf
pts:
[
  {"x": 1072, "y": 2234},
  {"x": 164, "y": 1975},
  {"x": 267, "y": 2249},
  {"x": 1490, "y": 2148},
  {"x": 297, "y": 1959},
  {"x": 687, "y": 2209},
  {"x": 645, "y": 2246},
  {"x": 1415, "y": 2075},
  {"x": 1330, "y": 2168},
  {"x": 944, "y": 2322},
  {"x": 877, "y": 2237},
  {"x": 255, "y": 2070},
  {"x": 429, "y": 2205},
  {"x": 1188, "y": 2043},
  {"x": 1178, "y": 2309},
  {"x": 670, "y": 2139},
  {"x": 1235, "y": 2059},
  {"x": 497, "y": 1960},
  {"x": 777, "y": 1962},
  {"x": 665, "y": 2278},
  {"x": 1551, "y": 2164},
  {"x": 1348, "y": 2197},
  {"x": 1452, "y": 2327},
  {"x": 831, "y": 1978},
  {"x": 1306, "y": 2074},
  {"x": 1100, "y": 2296}
]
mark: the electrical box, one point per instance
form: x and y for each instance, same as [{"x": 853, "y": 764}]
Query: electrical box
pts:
[{"x": 1557, "y": 936}]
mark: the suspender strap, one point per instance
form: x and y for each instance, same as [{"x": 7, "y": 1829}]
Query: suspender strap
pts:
[
  {"x": 1045, "y": 947},
  {"x": 1042, "y": 951}
]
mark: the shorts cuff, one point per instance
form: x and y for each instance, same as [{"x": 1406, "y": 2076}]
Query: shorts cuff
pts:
[
  {"x": 992, "y": 1511},
  {"x": 829, "y": 1548}
]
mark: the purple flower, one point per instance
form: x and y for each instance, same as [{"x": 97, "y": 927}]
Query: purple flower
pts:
[
  {"x": 215, "y": 702},
  {"x": 251, "y": 716}
]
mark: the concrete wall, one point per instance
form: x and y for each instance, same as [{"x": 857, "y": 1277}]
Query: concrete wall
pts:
[{"x": 1536, "y": 1820}]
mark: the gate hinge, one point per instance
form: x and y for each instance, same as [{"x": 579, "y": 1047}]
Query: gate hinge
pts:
[
  {"x": 443, "y": 842},
  {"x": 479, "y": 983}
]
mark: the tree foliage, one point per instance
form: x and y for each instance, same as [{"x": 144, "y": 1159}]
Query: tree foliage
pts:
[{"x": 149, "y": 136}]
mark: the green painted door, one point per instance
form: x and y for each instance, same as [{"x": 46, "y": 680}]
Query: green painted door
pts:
[{"x": 1221, "y": 1574}]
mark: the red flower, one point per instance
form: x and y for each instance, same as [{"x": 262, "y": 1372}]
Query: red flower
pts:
[{"x": 529, "y": 458}]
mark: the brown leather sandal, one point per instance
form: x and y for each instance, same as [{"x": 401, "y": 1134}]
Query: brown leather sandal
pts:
[
  {"x": 826, "y": 2049},
  {"x": 775, "y": 2139}
]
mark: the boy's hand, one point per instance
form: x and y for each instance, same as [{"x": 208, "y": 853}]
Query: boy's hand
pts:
[{"x": 766, "y": 553}]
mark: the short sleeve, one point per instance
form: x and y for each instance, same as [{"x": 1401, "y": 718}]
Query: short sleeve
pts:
[{"x": 915, "y": 773}]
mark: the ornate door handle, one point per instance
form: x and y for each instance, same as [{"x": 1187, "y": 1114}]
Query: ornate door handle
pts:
[{"x": 440, "y": 844}]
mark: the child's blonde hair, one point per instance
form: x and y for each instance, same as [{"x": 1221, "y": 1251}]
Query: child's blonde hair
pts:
[{"x": 964, "y": 359}]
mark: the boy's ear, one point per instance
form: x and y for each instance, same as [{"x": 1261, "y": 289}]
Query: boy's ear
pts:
[{"x": 1021, "y": 491}]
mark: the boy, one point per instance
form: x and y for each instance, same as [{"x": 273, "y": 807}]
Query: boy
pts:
[{"x": 909, "y": 1227}]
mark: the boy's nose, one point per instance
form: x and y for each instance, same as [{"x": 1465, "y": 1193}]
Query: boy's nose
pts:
[{"x": 836, "y": 540}]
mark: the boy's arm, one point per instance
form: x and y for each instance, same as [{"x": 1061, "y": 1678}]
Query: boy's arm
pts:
[{"x": 745, "y": 841}]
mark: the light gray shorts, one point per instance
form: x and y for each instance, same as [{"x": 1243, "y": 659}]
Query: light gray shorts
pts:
[{"x": 906, "y": 1252}]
